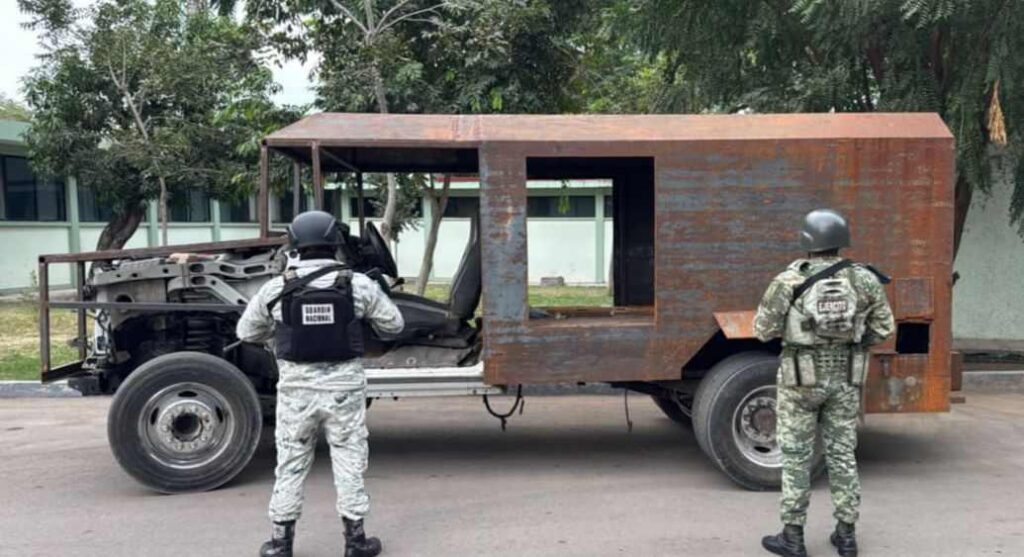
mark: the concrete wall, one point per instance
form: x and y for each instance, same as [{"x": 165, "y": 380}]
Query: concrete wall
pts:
[{"x": 988, "y": 300}]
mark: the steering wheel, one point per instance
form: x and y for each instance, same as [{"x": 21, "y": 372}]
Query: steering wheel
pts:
[{"x": 381, "y": 253}]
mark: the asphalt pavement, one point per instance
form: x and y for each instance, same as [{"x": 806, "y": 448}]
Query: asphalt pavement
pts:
[{"x": 566, "y": 478}]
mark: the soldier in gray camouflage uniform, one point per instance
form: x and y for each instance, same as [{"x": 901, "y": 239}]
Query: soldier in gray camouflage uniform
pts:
[
  {"x": 821, "y": 373},
  {"x": 311, "y": 395}
]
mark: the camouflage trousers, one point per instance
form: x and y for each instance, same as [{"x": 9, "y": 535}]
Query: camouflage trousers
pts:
[
  {"x": 301, "y": 413},
  {"x": 831, "y": 405}
]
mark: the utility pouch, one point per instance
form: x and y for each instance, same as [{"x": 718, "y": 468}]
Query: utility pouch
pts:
[
  {"x": 787, "y": 370},
  {"x": 805, "y": 368},
  {"x": 858, "y": 366},
  {"x": 796, "y": 369}
]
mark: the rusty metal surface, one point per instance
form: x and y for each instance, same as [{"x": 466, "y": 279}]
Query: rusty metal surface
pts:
[
  {"x": 725, "y": 221},
  {"x": 912, "y": 298},
  {"x": 901, "y": 383},
  {"x": 729, "y": 194},
  {"x": 474, "y": 130},
  {"x": 163, "y": 251},
  {"x": 736, "y": 324}
]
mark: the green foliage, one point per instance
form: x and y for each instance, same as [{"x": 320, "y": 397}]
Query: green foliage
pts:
[
  {"x": 430, "y": 56},
  {"x": 11, "y": 109},
  {"x": 130, "y": 92},
  {"x": 851, "y": 55}
]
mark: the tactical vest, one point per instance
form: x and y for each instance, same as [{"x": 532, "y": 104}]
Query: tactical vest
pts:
[
  {"x": 317, "y": 324},
  {"x": 827, "y": 313},
  {"x": 825, "y": 320}
]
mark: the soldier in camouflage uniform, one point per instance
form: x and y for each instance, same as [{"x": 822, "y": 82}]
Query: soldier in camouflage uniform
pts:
[
  {"x": 822, "y": 367},
  {"x": 311, "y": 395}
]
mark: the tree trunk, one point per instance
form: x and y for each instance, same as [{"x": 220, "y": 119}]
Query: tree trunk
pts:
[
  {"x": 163, "y": 212},
  {"x": 387, "y": 227},
  {"x": 121, "y": 228},
  {"x": 437, "y": 206},
  {"x": 961, "y": 205}
]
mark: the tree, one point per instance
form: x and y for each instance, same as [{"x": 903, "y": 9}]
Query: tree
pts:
[
  {"x": 960, "y": 59},
  {"x": 365, "y": 31},
  {"x": 437, "y": 56},
  {"x": 11, "y": 109},
  {"x": 144, "y": 100}
]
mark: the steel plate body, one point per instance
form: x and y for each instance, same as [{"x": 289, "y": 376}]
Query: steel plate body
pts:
[{"x": 730, "y": 192}]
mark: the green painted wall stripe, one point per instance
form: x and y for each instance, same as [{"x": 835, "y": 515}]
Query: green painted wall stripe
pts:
[
  {"x": 215, "y": 219},
  {"x": 153, "y": 225}
]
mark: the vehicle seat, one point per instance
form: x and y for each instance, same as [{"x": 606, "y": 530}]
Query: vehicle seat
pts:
[{"x": 424, "y": 316}]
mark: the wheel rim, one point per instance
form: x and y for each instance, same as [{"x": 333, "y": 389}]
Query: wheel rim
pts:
[
  {"x": 186, "y": 425},
  {"x": 754, "y": 429}
]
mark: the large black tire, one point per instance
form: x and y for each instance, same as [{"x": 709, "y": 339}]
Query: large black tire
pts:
[
  {"x": 671, "y": 409},
  {"x": 737, "y": 384},
  {"x": 185, "y": 421}
]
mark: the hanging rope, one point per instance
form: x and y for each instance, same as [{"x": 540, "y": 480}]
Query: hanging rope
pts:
[{"x": 519, "y": 404}]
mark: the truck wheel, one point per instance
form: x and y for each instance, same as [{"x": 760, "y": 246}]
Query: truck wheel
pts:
[
  {"x": 185, "y": 421},
  {"x": 672, "y": 409},
  {"x": 734, "y": 420}
]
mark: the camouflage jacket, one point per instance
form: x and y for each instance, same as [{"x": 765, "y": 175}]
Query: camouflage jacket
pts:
[
  {"x": 371, "y": 303},
  {"x": 770, "y": 321}
]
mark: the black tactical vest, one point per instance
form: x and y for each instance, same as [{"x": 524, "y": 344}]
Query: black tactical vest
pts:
[{"x": 317, "y": 324}]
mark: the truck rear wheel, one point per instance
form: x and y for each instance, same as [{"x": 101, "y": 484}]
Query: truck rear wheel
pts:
[
  {"x": 734, "y": 420},
  {"x": 185, "y": 421}
]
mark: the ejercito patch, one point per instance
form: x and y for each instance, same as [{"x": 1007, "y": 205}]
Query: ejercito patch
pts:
[
  {"x": 317, "y": 314},
  {"x": 832, "y": 306}
]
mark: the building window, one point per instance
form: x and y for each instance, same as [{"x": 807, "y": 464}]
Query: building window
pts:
[
  {"x": 285, "y": 209},
  {"x": 236, "y": 211},
  {"x": 193, "y": 205},
  {"x": 608, "y": 206},
  {"x": 90, "y": 206},
  {"x": 462, "y": 207},
  {"x": 26, "y": 198},
  {"x": 558, "y": 206}
]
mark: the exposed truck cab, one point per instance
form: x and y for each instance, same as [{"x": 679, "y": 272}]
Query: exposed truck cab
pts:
[{"x": 705, "y": 208}]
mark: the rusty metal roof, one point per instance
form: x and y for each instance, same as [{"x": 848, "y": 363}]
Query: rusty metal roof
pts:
[{"x": 471, "y": 130}]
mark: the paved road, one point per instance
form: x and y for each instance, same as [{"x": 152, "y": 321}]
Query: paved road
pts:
[{"x": 565, "y": 479}]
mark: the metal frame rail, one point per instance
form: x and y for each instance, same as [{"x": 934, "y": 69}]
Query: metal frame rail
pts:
[{"x": 81, "y": 305}]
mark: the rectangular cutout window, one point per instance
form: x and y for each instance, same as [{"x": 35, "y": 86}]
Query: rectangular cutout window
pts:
[
  {"x": 912, "y": 338},
  {"x": 569, "y": 245}
]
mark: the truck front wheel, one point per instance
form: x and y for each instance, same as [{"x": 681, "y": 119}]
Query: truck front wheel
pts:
[
  {"x": 184, "y": 421},
  {"x": 734, "y": 421}
]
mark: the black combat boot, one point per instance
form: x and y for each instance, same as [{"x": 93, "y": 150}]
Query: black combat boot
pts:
[
  {"x": 845, "y": 539},
  {"x": 356, "y": 542},
  {"x": 280, "y": 544},
  {"x": 788, "y": 543}
]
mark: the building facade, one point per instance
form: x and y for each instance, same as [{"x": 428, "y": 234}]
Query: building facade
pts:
[{"x": 58, "y": 216}]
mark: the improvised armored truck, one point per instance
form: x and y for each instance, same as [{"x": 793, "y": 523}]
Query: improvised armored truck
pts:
[{"x": 705, "y": 210}]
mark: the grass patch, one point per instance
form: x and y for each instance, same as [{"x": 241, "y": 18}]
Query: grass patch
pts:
[{"x": 19, "y": 340}]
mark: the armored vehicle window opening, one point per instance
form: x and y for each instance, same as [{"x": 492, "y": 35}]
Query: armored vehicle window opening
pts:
[{"x": 632, "y": 205}]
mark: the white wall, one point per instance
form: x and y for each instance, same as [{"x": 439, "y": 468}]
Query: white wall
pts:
[
  {"x": 22, "y": 246},
  {"x": 90, "y": 234},
  {"x": 988, "y": 300},
  {"x": 561, "y": 248}
]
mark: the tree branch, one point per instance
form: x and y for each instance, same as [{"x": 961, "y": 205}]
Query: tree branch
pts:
[
  {"x": 348, "y": 13},
  {"x": 381, "y": 28},
  {"x": 384, "y": 17}
]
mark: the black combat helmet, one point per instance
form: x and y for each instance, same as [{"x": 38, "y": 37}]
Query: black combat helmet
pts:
[
  {"x": 824, "y": 230},
  {"x": 314, "y": 229}
]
